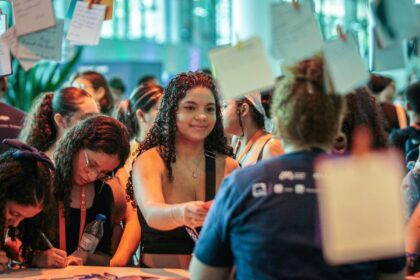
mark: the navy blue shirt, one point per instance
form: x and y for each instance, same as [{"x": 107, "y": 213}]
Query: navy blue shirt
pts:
[{"x": 265, "y": 222}]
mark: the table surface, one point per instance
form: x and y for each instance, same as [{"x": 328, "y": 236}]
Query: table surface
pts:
[{"x": 76, "y": 272}]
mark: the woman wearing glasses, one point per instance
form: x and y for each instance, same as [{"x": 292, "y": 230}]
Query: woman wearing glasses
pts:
[{"x": 86, "y": 157}]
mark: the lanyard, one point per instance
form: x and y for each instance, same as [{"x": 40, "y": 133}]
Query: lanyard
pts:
[{"x": 62, "y": 219}]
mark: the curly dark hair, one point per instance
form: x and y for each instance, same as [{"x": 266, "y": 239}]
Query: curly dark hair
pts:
[
  {"x": 39, "y": 129},
  {"x": 363, "y": 110},
  {"x": 96, "y": 133},
  {"x": 25, "y": 181},
  {"x": 144, "y": 98},
  {"x": 98, "y": 80},
  {"x": 306, "y": 114},
  {"x": 163, "y": 132}
]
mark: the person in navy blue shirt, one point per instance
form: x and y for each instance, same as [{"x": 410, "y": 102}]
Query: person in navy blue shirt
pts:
[{"x": 264, "y": 221}]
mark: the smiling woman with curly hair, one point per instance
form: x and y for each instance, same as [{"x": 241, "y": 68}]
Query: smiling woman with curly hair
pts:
[{"x": 180, "y": 165}]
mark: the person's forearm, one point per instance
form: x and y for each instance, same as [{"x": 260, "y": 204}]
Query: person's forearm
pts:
[
  {"x": 162, "y": 216},
  {"x": 128, "y": 244}
]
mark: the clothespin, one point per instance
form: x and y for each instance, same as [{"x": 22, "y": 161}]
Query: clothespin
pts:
[
  {"x": 239, "y": 44},
  {"x": 296, "y": 4},
  {"x": 91, "y": 2},
  {"x": 340, "y": 33}
]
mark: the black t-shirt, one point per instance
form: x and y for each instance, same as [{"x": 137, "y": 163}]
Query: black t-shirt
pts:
[{"x": 11, "y": 120}]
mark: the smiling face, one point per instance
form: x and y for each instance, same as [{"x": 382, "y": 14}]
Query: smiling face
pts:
[
  {"x": 15, "y": 213},
  {"x": 196, "y": 115}
]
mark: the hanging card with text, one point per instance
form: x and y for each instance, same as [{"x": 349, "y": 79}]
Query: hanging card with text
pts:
[
  {"x": 345, "y": 65},
  {"x": 86, "y": 23},
  {"x": 241, "y": 69},
  {"x": 361, "y": 207},
  {"x": 47, "y": 43},
  {"x": 32, "y": 15},
  {"x": 295, "y": 32}
]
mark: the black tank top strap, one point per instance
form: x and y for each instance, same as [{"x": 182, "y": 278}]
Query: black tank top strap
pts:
[{"x": 210, "y": 175}]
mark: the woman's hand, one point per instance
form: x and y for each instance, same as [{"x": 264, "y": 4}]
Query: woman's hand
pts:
[
  {"x": 4, "y": 260},
  {"x": 194, "y": 213},
  {"x": 79, "y": 257},
  {"x": 50, "y": 258}
]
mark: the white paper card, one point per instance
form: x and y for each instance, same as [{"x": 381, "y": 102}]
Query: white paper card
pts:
[
  {"x": 10, "y": 39},
  {"x": 361, "y": 207},
  {"x": 47, "y": 43},
  {"x": 402, "y": 18},
  {"x": 295, "y": 33},
  {"x": 345, "y": 65},
  {"x": 241, "y": 69},
  {"x": 28, "y": 59},
  {"x": 5, "y": 59},
  {"x": 85, "y": 26},
  {"x": 390, "y": 58},
  {"x": 32, "y": 15}
]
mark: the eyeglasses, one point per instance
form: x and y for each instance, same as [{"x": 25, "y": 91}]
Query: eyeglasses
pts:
[{"x": 102, "y": 176}]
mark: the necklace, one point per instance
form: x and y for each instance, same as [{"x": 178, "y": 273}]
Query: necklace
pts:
[{"x": 194, "y": 172}]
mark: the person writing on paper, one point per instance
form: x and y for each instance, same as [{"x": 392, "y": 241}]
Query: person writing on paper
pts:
[
  {"x": 85, "y": 158},
  {"x": 246, "y": 119},
  {"x": 138, "y": 114},
  {"x": 180, "y": 165},
  {"x": 26, "y": 180},
  {"x": 264, "y": 219}
]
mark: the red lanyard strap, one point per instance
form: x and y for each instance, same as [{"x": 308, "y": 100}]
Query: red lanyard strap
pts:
[{"x": 62, "y": 218}]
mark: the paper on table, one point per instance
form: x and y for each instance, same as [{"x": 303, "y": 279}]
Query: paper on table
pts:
[
  {"x": 241, "y": 69},
  {"x": 361, "y": 207},
  {"x": 47, "y": 43},
  {"x": 85, "y": 25},
  {"x": 345, "y": 65},
  {"x": 32, "y": 15},
  {"x": 5, "y": 60},
  {"x": 295, "y": 33},
  {"x": 389, "y": 58}
]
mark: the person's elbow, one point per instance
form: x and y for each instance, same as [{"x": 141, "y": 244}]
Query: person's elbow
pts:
[{"x": 199, "y": 270}]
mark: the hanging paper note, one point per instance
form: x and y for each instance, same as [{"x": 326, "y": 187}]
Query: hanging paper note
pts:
[
  {"x": 361, "y": 207},
  {"x": 295, "y": 32},
  {"x": 86, "y": 24},
  {"x": 28, "y": 59},
  {"x": 390, "y": 58},
  {"x": 109, "y": 7},
  {"x": 47, "y": 43},
  {"x": 241, "y": 69},
  {"x": 32, "y": 15},
  {"x": 345, "y": 65},
  {"x": 5, "y": 60}
]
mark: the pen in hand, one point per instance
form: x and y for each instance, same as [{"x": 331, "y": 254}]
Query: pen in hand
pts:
[{"x": 48, "y": 242}]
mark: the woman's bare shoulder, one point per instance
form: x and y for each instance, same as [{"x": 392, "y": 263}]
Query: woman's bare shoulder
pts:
[
  {"x": 148, "y": 158},
  {"x": 228, "y": 162}
]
